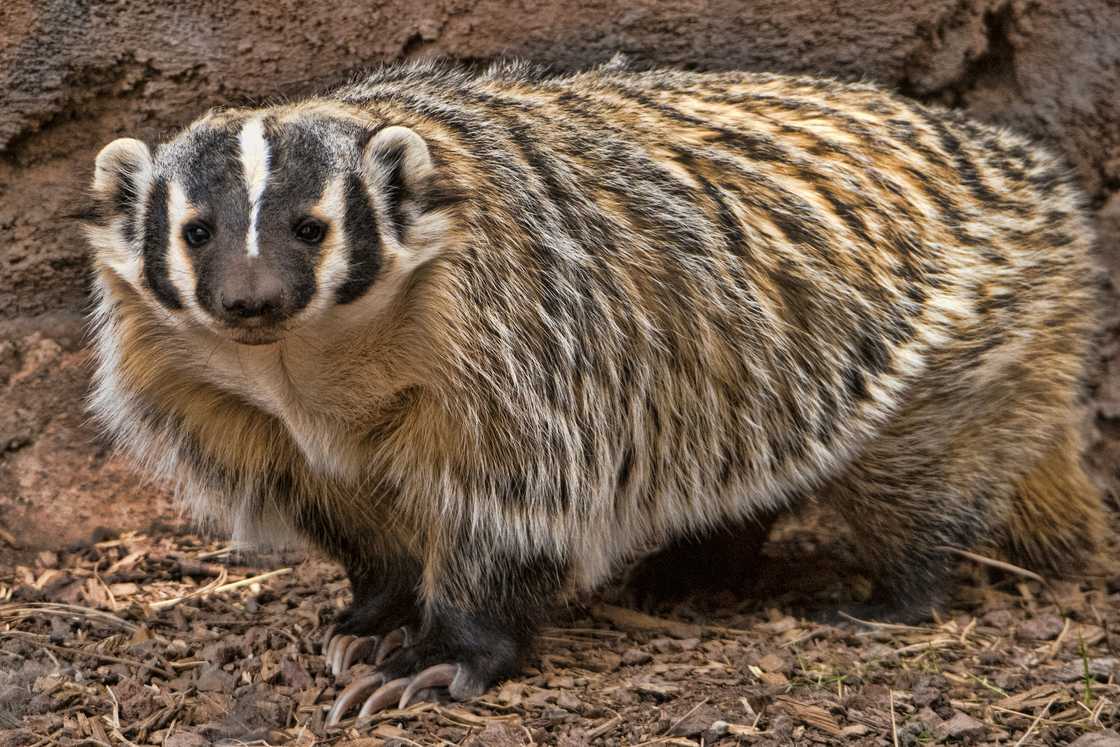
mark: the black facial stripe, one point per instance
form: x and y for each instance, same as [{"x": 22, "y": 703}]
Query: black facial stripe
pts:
[
  {"x": 215, "y": 167},
  {"x": 297, "y": 160},
  {"x": 362, "y": 240},
  {"x": 156, "y": 246}
]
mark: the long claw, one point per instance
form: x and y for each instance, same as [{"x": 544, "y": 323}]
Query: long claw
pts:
[
  {"x": 331, "y": 645},
  {"x": 335, "y": 651},
  {"x": 325, "y": 639},
  {"x": 390, "y": 643},
  {"x": 388, "y": 693},
  {"x": 357, "y": 690},
  {"x": 441, "y": 675},
  {"x": 358, "y": 648}
]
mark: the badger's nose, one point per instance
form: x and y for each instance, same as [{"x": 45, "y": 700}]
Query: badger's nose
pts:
[{"x": 249, "y": 295}]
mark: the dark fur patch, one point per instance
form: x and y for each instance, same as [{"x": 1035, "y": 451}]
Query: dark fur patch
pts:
[
  {"x": 363, "y": 242},
  {"x": 157, "y": 235},
  {"x": 395, "y": 190},
  {"x": 125, "y": 202}
]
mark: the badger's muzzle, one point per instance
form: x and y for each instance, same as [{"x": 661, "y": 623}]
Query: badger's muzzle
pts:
[{"x": 249, "y": 296}]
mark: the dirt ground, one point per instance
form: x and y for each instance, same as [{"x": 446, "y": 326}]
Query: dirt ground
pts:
[{"x": 171, "y": 639}]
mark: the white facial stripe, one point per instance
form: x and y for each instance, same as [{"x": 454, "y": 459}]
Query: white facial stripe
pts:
[
  {"x": 254, "y": 164},
  {"x": 333, "y": 260},
  {"x": 180, "y": 271}
]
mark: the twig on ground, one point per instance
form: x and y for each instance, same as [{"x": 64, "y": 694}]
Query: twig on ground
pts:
[
  {"x": 1034, "y": 723},
  {"x": 216, "y": 588},
  {"x": 894, "y": 723},
  {"x": 626, "y": 618},
  {"x": 1002, "y": 565}
]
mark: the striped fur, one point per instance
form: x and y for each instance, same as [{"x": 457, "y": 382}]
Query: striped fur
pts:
[{"x": 600, "y": 311}]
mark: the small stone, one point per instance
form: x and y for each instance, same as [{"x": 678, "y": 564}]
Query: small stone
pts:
[
  {"x": 270, "y": 666},
  {"x": 779, "y": 623},
  {"x": 46, "y": 684},
  {"x": 695, "y": 722},
  {"x": 511, "y": 694},
  {"x": 1008, "y": 679},
  {"x": 772, "y": 663},
  {"x": 1106, "y": 738},
  {"x": 659, "y": 691},
  {"x": 928, "y": 717},
  {"x": 1041, "y": 628},
  {"x": 293, "y": 674},
  {"x": 1000, "y": 619},
  {"x": 718, "y": 729},
  {"x": 186, "y": 739},
  {"x": 558, "y": 682},
  {"x": 961, "y": 727},
  {"x": 497, "y": 734},
  {"x": 568, "y": 702},
  {"x": 214, "y": 680},
  {"x": 219, "y": 652},
  {"x": 606, "y": 661},
  {"x": 1099, "y": 669},
  {"x": 925, "y": 694},
  {"x": 635, "y": 656},
  {"x": 540, "y": 698},
  {"x": 855, "y": 730}
]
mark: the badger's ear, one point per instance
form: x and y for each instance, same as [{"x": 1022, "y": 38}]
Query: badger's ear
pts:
[
  {"x": 121, "y": 176},
  {"x": 397, "y": 159},
  {"x": 398, "y": 170}
]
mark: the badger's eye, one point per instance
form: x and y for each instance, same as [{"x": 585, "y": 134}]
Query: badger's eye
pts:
[
  {"x": 310, "y": 231},
  {"x": 196, "y": 235}
]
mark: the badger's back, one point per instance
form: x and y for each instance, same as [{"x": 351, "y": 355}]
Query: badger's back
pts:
[{"x": 683, "y": 289}]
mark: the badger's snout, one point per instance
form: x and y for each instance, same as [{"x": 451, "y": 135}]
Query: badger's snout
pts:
[
  {"x": 247, "y": 293},
  {"x": 255, "y": 295}
]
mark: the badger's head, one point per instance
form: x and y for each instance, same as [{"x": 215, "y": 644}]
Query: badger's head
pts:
[{"x": 252, "y": 225}]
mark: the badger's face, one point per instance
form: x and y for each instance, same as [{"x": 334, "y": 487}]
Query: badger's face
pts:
[{"x": 253, "y": 226}]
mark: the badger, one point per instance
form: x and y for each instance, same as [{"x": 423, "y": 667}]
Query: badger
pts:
[{"x": 487, "y": 337}]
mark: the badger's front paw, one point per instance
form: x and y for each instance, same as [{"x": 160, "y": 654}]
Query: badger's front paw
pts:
[
  {"x": 362, "y": 629},
  {"x": 459, "y": 655}
]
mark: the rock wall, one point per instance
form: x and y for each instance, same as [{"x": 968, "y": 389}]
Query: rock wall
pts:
[{"x": 75, "y": 73}]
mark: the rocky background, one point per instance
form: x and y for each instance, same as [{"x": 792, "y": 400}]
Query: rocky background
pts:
[{"x": 75, "y": 74}]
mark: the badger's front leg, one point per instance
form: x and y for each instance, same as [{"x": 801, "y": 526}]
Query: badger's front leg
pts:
[
  {"x": 384, "y": 601},
  {"x": 482, "y": 603}
]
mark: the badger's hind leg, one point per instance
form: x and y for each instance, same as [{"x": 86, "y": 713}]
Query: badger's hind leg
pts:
[
  {"x": 985, "y": 463},
  {"x": 1048, "y": 520},
  {"x": 1057, "y": 518},
  {"x": 901, "y": 530}
]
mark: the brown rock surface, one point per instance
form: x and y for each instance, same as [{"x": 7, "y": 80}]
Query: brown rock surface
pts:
[{"x": 73, "y": 75}]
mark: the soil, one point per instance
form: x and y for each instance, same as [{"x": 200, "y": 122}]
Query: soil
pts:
[
  {"x": 134, "y": 638},
  {"x": 171, "y": 639}
]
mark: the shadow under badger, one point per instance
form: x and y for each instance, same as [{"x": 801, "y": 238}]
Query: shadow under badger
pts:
[{"x": 484, "y": 339}]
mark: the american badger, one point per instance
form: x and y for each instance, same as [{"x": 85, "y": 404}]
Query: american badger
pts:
[{"x": 485, "y": 338}]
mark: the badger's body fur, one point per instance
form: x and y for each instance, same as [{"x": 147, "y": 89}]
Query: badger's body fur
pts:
[{"x": 556, "y": 322}]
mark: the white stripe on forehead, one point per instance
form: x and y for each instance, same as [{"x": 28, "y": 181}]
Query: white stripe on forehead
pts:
[{"x": 254, "y": 164}]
